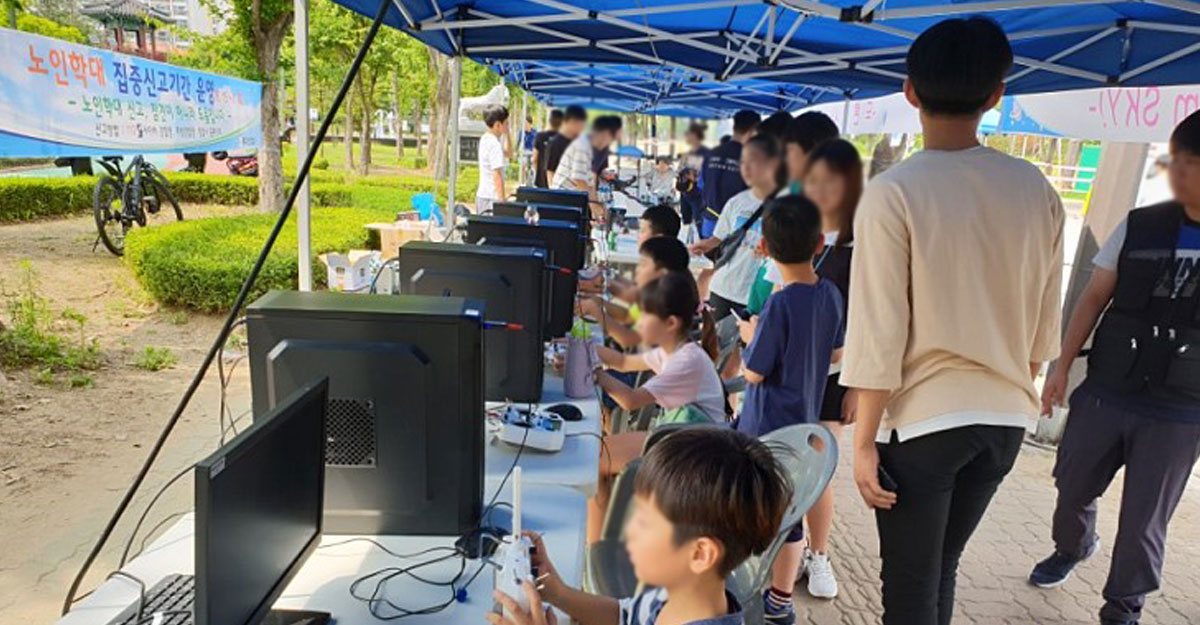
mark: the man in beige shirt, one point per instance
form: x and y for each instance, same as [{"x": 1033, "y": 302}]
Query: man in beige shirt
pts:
[{"x": 954, "y": 304}]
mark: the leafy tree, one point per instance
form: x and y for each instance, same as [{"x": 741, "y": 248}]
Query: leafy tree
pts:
[
  {"x": 261, "y": 26},
  {"x": 226, "y": 53},
  {"x": 49, "y": 28},
  {"x": 11, "y": 9}
]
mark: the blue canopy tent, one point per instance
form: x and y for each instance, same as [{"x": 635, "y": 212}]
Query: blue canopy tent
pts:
[
  {"x": 855, "y": 48},
  {"x": 849, "y": 45},
  {"x": 656, "y": 89}
]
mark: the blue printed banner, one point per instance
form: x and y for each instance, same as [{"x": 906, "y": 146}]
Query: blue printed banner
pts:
[{"x": 64, "y": 99}]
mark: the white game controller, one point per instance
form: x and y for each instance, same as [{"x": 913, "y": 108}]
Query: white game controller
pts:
[{"x": 515, "y": 555}]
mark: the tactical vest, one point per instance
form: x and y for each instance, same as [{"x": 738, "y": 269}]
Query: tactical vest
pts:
[{"x": 1149, "y": 339}]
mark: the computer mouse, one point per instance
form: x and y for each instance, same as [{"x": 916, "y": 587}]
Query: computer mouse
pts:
[{"x": 567, "y": 412}]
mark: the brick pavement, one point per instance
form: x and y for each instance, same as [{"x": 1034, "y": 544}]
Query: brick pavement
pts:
[{"x": 1014, "y": 535}]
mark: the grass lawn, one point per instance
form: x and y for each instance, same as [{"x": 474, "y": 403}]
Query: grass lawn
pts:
[{"x": 383, "y": 158}]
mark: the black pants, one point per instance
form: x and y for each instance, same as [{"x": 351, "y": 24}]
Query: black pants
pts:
[
  {"x": 1158, "y": 457},
  {"x": 946, "y": 481},
  {"x": 722, "y": 308}
]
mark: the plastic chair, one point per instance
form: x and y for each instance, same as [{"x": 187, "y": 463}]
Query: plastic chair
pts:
[
  {"x": 426, "y": 206},
  {"x": 609, "y": 571},
  {"x": 809, "y": 455}
]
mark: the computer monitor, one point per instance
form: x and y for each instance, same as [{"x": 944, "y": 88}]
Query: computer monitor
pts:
[
  {"x": 405, "y": 425},
  {"x": 259, "y": 501},
  {"x": 514, "y": 285},
  {"x": 552, "y": 212},
  {"x": 563, "y": 245},
  {"x": 560, "y": 197}
]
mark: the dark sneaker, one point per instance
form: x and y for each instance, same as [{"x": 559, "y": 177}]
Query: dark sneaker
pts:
[
  {"x": 778, "y": 613},
  {"x": 1109, "y": 621},
  {"x": 1055, "y": 570}
]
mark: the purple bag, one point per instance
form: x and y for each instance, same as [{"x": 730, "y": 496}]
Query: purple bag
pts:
[{"x": 578, "y": 381}]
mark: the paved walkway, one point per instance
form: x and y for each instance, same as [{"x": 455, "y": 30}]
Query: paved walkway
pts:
[{"x": 1014, "y": 535}]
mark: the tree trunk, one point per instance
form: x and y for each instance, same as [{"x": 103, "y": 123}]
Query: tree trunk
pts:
[
  {"x": 673, "y": 135},
  {"x": 270, "y": 157},
  {"x": 349, "y": 142},
  {"x": 441, "y": 113},
  {"x": 364, "y": 144},
  {"x": 418, "y": 117},
  {"x": 366, "y": 109},
  {"x": 397, "y": 121}
]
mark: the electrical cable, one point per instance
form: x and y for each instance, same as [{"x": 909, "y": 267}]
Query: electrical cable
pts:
[
  {"x": 379, "y": 272},
  {"x": 146, "y": 512},
  {"x": 223, "y": 406},
  {"x": 238, "y": 303},
  {"x": 381, "y": 547}
]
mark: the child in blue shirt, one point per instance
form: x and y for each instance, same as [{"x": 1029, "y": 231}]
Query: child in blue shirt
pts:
[
  {"x": 786, "y": 363},
  {"x": 705, "y": 499}
]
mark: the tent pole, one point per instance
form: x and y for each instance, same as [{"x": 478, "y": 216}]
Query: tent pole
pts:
[
  {"x": 303, "y": 205},
  {"x": 846, "y": 115},
  {"x": 455, "y": 96}
]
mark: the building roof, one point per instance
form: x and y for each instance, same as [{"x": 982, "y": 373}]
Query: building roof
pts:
[{"x": 123, "y": 10}]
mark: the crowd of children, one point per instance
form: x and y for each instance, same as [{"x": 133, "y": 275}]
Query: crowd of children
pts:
[{"x": 927, "y": 337}]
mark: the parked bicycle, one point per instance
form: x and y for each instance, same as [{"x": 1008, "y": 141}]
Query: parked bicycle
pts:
[{"x": 137, "y": 196}]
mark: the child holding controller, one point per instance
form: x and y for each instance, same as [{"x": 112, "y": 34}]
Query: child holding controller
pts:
[{"x": 705, "y": 500}]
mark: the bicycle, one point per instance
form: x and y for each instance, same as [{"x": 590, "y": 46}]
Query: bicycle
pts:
[{"x": 123, "y": 199}]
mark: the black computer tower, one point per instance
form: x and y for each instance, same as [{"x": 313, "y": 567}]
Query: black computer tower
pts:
[
  {"x": 513, "y": 283},
  {"x": 561, "y": 197},
  {"x": 565, "y": 249},
  {"x": 405, "y": 420},
  {"x": 552, "y": 212}
]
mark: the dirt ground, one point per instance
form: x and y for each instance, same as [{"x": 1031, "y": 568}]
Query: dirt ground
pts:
[{"x": 66, "y": 456}]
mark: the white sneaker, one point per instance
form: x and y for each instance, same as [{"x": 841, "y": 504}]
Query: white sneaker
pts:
[{"x": 821, "y": 582}]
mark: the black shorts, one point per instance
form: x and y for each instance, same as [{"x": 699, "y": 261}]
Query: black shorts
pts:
[
  {"x": 722, "y": 308},
  {"x": 831, "y": 405}
]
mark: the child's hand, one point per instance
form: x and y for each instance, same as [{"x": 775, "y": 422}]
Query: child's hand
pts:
[
  {"x": 703, "y": 247},
  {"x": 593, "y": 286},
  {"x": 536, "y": 615},
  {"x": 589, "y": 308},
  {"x": 550, "y": 584},
  {"x": 746, "y": 329}
]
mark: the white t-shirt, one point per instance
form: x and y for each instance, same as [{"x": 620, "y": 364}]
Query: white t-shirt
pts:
[
  {"x": 576, "y": 164},
  {"x": 733, "y": 280},
  {"x": 491, "y": 158},
  {"x": 686, "y": 376}
]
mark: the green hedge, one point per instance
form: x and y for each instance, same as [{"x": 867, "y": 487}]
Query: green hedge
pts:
[
  {"x": 190, "y": 188},
  {"x": 25, "y": 199},
  {"x": 201, "y": 264}
]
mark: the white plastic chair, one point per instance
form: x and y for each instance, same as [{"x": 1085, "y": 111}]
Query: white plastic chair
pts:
[{"x": 809, "y": 455}]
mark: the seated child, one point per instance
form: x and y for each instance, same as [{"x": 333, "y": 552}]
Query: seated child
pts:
[
  {"x": 791, "y": 345},
  {"x": 656, "y": 221},
  {"x": 656, "y": 257},
  {"x": 684, "y": 372},
  {"x": 685, "y": 384},
  {"x": 705, "y": 500}
]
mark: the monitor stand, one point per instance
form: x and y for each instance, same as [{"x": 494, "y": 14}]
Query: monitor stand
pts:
[{"x": 295, "y": 617}]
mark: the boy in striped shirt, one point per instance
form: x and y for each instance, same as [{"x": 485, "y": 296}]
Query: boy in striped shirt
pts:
[{"x": 705, "y": 500}]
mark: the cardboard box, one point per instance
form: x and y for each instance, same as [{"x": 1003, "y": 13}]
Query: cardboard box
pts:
[
  {"x": 352, "y": 272},
  {"x": 394, "y": 235}
]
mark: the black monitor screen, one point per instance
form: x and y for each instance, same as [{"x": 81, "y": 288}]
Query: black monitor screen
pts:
[{"x": 259, "y": 503}]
